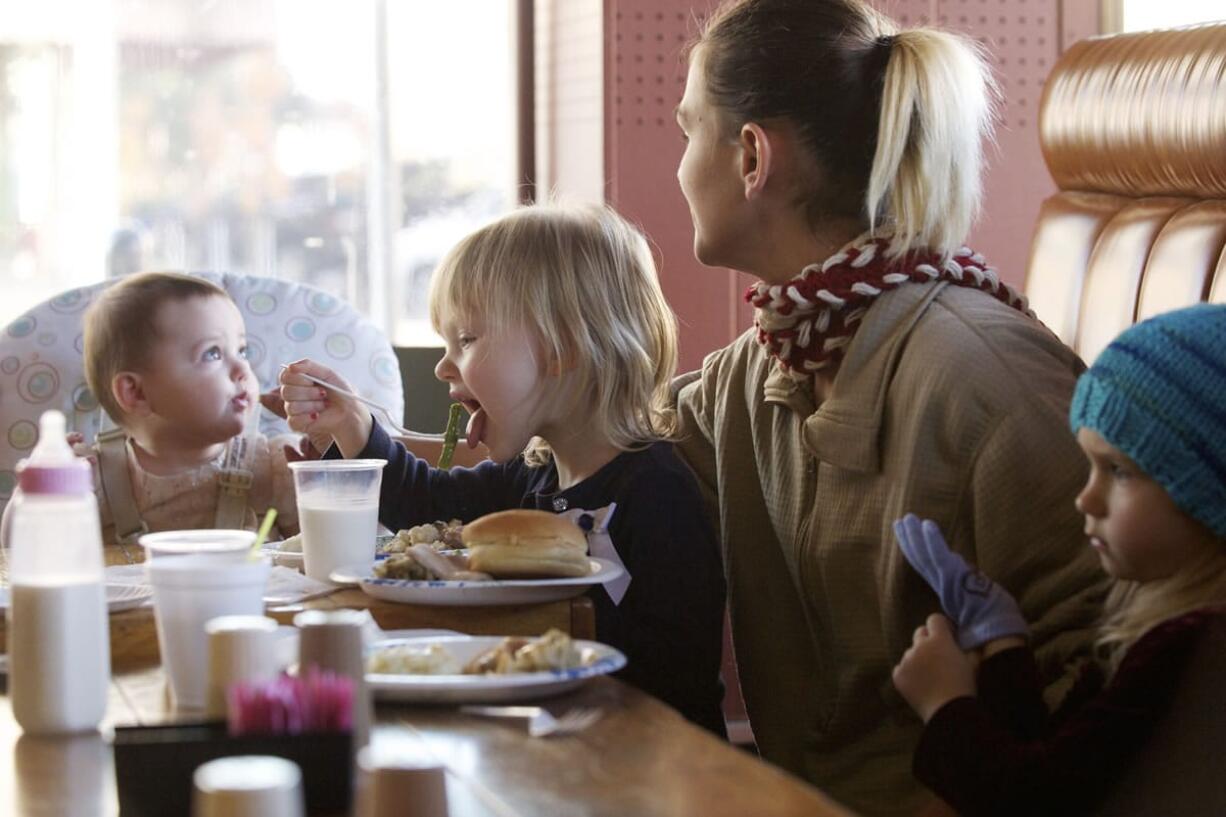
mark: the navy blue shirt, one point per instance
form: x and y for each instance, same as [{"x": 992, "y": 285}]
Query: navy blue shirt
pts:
[{"x": 670, "y": 622}]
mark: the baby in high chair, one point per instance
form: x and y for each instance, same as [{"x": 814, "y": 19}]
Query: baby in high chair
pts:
[{"x": 165, "y": 354}]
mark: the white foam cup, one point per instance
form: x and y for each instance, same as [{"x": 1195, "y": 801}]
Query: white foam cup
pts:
[
  {"x": 338, "y": 512},
  {"x": 225, "y": 545},
  {"x": 187, "y": 592}
]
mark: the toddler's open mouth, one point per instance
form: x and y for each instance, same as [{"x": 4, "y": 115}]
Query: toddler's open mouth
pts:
[{"x": 475, "y": 431}]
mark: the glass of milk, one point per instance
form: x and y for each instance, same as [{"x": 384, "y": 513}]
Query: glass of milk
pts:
[{"x": 338, "y": 511}]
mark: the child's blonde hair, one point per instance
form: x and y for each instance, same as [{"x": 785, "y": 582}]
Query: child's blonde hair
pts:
[
  {"x": 121, "y": 327},
  {"x": 1133, "y": 609},
  {"x": 582, "y": 280},
  {"x": 1156, "y": 393}
]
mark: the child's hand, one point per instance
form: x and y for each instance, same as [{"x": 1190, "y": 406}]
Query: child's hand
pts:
[
  {"x": 934, "y": 670},
  {"x": 981, "y": 608},
  {"x": 308, "y": 448},
  {"x": 320, "y": 412}
]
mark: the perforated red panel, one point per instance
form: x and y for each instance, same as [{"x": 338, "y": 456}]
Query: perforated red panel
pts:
[{"x": 646, "y": 77}]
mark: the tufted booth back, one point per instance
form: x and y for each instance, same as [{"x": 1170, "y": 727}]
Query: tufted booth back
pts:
[
  {"x": 41, "y": 366},
  {"x": 1133, "y": 129}
]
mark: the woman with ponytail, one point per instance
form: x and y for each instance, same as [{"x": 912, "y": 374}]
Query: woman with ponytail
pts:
[{"x": 838, "y": 160}]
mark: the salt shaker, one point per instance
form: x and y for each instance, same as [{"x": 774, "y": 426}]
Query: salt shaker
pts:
[
  {"x": 241, "y": 648},
  {"x": 332, "y": 640},
  {"x": 386, "y": 787},
  {"x": 248, "y": 786}
]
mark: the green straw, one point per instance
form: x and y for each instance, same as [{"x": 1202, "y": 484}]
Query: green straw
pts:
[
  {"x": 450, "y": 436},
  {"x": 265, "y": 527}
]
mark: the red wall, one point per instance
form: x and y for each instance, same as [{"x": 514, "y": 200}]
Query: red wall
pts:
[{"x": 644, "y": 78}]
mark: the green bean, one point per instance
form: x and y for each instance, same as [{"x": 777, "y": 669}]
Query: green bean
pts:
[{"x": 450, "y": 436}]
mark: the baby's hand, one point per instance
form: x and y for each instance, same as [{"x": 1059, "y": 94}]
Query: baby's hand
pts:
[
  {"x": 323, "y": 413},
  {"x": 934, "y": 670},
  {"x": 76, "y": 441}
]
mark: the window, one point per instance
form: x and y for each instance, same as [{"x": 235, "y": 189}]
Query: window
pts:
[
  {"x": 1141, "y": 15},
  {"x": 342, "y": 143}
]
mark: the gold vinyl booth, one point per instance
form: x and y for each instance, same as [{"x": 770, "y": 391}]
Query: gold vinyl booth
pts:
[{"x": 1133, "y": 129}]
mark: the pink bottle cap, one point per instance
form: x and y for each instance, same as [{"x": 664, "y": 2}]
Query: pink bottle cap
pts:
[{"x": 60, "y": 480}]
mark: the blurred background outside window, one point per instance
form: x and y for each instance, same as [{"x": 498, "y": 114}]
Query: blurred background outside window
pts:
[
  {"x": 341, "y": 143},
  {"x": 1142, "y": 15}
]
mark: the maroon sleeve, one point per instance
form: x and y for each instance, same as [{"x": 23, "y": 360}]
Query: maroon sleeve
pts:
[{"x": 972, "y": 759}]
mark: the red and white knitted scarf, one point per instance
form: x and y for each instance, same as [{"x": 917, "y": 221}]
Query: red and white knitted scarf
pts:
[{"x": 807, "y": 322}]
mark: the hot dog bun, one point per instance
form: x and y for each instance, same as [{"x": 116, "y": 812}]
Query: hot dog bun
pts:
[{"x": 526, "y": 543}]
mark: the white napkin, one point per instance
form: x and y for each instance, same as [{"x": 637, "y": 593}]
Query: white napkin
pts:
[
  {"x": 285, "y": 585},
  {"x": 601, "y": 546}
]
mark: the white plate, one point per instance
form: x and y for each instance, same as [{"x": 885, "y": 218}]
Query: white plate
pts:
[
  {"x": 293, "y": 558},
  {"x": 118, "y": 596},
  {"x": 351, "y": 575},
  {"x": 501, "y": 591},
  {"x": 285, "y": 558},
  {"x": 454, "y": 689}
]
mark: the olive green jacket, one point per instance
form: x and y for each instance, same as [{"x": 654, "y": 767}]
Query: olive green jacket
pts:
[{"x": 949, "y": 404}]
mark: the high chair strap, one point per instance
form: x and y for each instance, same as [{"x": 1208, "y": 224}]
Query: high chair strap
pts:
[
  {"x": 116, "y": 481},
  {"x": 233, "y": 484}
]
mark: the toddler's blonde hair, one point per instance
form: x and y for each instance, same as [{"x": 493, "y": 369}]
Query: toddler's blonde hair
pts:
[
  {"x": 583, "y": 282},
  {"x": 121, "y": 327}
]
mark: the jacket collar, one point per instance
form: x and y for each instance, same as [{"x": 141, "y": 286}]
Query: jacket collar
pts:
[{"x": 845, "y": 430}]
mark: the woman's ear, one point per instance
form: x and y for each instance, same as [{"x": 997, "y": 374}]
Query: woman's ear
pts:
[
  {"x": 129, "y": 393},
  {"x": 757, "y": 158}
]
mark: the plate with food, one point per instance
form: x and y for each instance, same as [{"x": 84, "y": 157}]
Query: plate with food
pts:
[
  {"x": 440, "y": 535},
  {"x": 510, "y": 557},
  {"x": 484, "y": 669}
]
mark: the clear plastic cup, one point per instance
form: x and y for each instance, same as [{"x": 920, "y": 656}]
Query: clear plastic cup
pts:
[
  {"x": 226, "y": 545},
  {"x": 338, "y": 512},
  {"x": 187, "y": 592}
]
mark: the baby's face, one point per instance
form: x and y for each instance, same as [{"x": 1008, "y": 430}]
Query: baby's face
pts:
[{"x": 198, "y": 383}]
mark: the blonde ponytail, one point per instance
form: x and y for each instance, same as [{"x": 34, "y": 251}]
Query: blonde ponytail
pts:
[{"x": 937, "y": 104}]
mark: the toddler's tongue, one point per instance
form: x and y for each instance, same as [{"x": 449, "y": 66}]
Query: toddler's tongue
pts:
[{"x": 475, "y": 433}]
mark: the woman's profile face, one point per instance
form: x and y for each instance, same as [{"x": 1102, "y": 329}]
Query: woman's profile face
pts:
[{"x": 709, "y": 172}]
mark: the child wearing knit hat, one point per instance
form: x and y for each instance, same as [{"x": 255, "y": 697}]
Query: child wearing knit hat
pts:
[{"x": 1150, "y": 415}]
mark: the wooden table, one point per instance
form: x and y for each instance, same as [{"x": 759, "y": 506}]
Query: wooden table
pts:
[
  {"x": 134, "y": 634},
  {"x": 641, "y": 758}
]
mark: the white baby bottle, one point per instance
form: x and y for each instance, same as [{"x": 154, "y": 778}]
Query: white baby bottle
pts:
[{"x": 58, "y": 636}]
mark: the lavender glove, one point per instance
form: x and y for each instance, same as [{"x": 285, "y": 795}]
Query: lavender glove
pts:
[{"x": 981, "y": 609}]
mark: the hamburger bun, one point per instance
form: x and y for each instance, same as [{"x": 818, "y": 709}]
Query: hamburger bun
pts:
[{"x": 526, "y": 543}]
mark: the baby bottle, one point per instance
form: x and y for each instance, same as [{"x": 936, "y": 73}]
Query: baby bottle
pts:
[{"x": 59, "y": 642}]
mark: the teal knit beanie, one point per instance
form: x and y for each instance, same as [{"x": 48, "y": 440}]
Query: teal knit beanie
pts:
[{"x": 1158, "y": 393}]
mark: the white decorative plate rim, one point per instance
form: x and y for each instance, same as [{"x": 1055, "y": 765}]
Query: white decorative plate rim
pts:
[
  {"x": 611, "y": 660},
  {"x": 603, "y": 571}
]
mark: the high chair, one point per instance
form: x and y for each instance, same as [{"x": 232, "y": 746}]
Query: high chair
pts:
[{"x": 41, "y": 364}]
